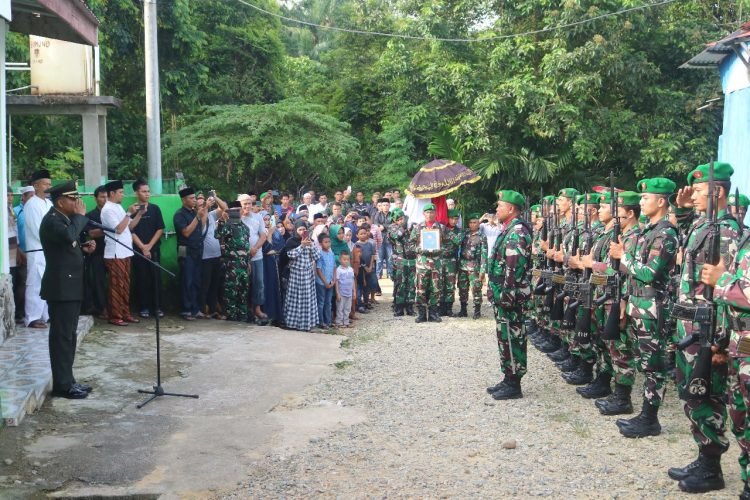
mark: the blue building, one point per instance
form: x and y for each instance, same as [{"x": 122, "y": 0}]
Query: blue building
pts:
[{"x": 731, "y": 55}]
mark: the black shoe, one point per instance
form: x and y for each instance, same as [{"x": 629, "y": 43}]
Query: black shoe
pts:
[
  {"x": 410, "y": 309},
  {"x": 707, "y": 476},
  {"x": 477, "y": 311},
  {"x": 645, "y": 424},
  {"x": 560, "y": 354},
  {"x": 432, "y": 314},
  {"x": 72, "y": 393},
  {"x": 463, "y": 313},
  {"x": 583, "y": 375},
  {"x": 511, "y": 390},
  {"x": 745, "y": 495},
  {"x": 532, "y": 328},
  {"x": 496, "y": 387},
  {"x": 362, "y": 310},
  {"x": 599, "y": 388},
  {"x": 421, "y": 314},
  {"x": 552, "y": 345},
  {"x": 83, "y": 387},
  {"x": 398, "y": 310},
  {"x": 680, "y": 473},
  {"x": 617, "y": 403},
  {"x": 569, "y": 365}
]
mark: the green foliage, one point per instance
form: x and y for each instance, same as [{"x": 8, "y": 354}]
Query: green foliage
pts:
[
  {"x": 287, "y": 145},
  {"x": 66, "y": 164}
]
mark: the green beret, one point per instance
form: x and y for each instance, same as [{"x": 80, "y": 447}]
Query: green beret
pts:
[
  {"x": 474, "y": 216},
  {"x": 453, "y": 212},
  {"x": 592, "y": 197},
  {"x": 722, "y": 172},
  {"x": 605, "y": 197},
  {"x": 628, "y": 199},
  {"x": 513, "y": 197},
  {"x": 427, "y": 207},
  {"x": 580, "y": 199},
  {"x": 549, "y": 199},
  {"x": 396, "y": 213},
  {"x": 744, "y": 200},
  {"x": 569, "y": 193},
  {"x": 536, "y": 209},
  {"x": 657, "y": 185}
]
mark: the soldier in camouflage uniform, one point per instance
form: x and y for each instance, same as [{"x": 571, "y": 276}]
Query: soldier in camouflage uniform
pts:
[
  {"x": 398, "y": 235},
  {"x": 732, "y": 290},
  {"x": 472, "y": 267},
  {"x": 538, "y": 327},
  {"x": 428, "y": 268},
  {"x": 647, "y": 270},
  {"x": 234, "y": 239},
  {"x": 742, "y": 202},
  {"x": 622, "y": 349},
  {"x": 707, "y": 415},
  {"x": 452, "y": 238},
  {"x": 509, "y": 290},
  {"x": 538, "y": 262}
]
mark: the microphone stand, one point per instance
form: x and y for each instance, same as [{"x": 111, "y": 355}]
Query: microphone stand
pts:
[{"x": 158, "y": 390}]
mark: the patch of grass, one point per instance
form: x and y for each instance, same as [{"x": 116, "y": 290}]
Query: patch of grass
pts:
[
  {"x": 581, "y": 428},
  {"x": 346, "y": 343},
  {"x": 342, "y": 365},
  {"x": 365, "y": 337},
  {"x": 560, "y": 417}
]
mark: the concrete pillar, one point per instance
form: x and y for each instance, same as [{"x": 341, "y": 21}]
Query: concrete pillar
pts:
[
  {"x": 92, "y": 154},
  {"x": 103, "y": 162},
  {"x": 4, "y": 256}
]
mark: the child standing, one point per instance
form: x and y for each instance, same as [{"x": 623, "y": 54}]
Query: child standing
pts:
[
  {"x": 345, "y": 290},
  {"x": 366, "y": 267},
  {"x": 325, "y": 276}
]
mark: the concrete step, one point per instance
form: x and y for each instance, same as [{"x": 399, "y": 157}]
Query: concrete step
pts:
[{"x": 25, "y": 376}]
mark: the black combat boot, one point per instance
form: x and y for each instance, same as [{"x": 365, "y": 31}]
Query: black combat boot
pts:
[
  {"x": 569, "y": 365},
  {"x": 645, "y": 424},
  {"x": 409, "y": 309},
  {"x": 559, "y": 355},
  {"x": 541, "y": 338},
  {"x": 532, "y": 328},
  {"x": 421, "y": 314},
  {"x": 398, "y": 310},
  {"x": 449, "y": 310},
  {"x": 617, "y": 403},
  {"x": 510, "y": 390},
  {"x": 707, "y": 476},
  {"x": 462, "y": 313},
  {"x": 477, "y": 311},
  {"x": 680, "y": 473},
  {"x": 583, "y": 375},
  {"x": 599, "y": 388},
  {"x": 433, "y": 314},
  {"x": 745, "y": 492},
  {"x": 494, "y": 388},
  {"x": 552, "y": 345}
]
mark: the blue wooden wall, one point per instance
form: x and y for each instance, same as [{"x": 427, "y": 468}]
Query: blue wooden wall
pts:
[{"x": 734, "y": 142}]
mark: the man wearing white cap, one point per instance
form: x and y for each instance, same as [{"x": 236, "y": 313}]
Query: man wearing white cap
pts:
[
  {"x": 34, "y": 211},
  {"x": 20, "y": 284}
]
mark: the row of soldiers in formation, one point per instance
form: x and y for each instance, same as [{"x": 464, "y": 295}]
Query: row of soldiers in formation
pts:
[{"x": 614, "y": 282}]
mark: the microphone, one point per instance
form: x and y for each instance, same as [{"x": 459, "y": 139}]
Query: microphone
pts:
[{"x": 96, "y": 225}]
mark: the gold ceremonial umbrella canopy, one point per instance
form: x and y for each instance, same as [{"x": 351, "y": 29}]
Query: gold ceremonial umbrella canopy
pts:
[{"x": 440, "y": 177}]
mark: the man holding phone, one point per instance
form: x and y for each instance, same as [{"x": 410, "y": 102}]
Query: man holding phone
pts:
[{"x": 147, "y": 239}]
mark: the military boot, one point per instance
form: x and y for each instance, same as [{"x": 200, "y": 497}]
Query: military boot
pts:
[
  {"x": 559, "y": 355},
  {"x": 532, "y": 328},
  {"x": 494, "y": 388},
  {"x": 707, "y": 476},
  {"x": 745, "y": 492},
  {"x": 433, "y": 314},
  {"x": 645, "y": 424},
  {"x": 449, "y": 311},
  {"x": 617, "y": 403},
  {"x": 553, "y": 344},
  {"x": 477, "y": 311},
  {"x": 569, "y": 365},
  {"x": 398, "y": 310},
  {"x": 583, "y": 375},
  {"x": 680, "y": 473},
  {"x": 462, "y": 313},
  {"x": 599, "y": 388},
  {"x": 409, "y": 309},
  {"x": 511, "y": 389},
  {"x": 421, "y": 314}
]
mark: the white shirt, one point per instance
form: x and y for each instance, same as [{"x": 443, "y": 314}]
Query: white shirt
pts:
[
  {"x": 491, "y": 232},
  {"x": 35, "y": 209},
  {"x": 317, "y": 209},
  {"x": 257, "y": 227},
  {"x": 211, "y": 246},
  {"x": 112, "y": 215}
]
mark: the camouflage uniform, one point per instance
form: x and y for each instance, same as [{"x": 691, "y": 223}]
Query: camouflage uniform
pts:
[
  {"x": 648, "y": 268},
  {"x": 452, "y": 238},
  {"x": 509, "y": 290},
  {"x": 397, "y": 236},
  {"x": 733, "y": 292},
  {"x": 234, "y": 238},
  {"x": 584, "y": 348},
  {"x": 600, "y": 254},
  {"x": 472, "y": 266},
  {"x": 427, "y": 267},
  {"x": 706, "y": 416}
]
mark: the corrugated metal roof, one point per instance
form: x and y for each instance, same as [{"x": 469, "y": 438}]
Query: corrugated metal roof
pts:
[{"x": 716, "y": 52}]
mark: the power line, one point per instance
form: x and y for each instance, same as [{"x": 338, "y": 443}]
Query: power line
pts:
[{"x": 456, "y": 40}]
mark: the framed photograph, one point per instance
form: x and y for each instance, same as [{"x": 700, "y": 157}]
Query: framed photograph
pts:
[{"x": 429, "y": 240}]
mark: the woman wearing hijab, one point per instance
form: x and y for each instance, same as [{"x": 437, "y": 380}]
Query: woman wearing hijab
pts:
[
  {"x": 338, "y": 243},
  {"x": 300, "y": 305},
  {"x": 271, "y": 286}
]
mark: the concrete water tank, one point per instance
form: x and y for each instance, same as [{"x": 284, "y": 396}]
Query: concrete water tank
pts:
[{"x": 59, "y": 67}]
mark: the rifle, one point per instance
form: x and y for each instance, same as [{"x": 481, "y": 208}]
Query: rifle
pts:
[
  {"x": 549, "y": 290},
  {"x": 559, "y": 278},
  {"x": 612, "y": 327},
  {"x": 571, "y": 285},
  {"x": 699, "y": 385},
  {"x": 586, "y": 288},
  {"x": 541, "y": 285}
]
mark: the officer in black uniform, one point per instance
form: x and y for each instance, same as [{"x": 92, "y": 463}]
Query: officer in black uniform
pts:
[{"x": 62, "y": 283}]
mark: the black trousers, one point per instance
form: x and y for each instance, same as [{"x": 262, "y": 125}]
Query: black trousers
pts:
[
  {"x": 210, "y": 280},
  {"x": 63, "y": 324},
  {"x": 95, "y": 279},
  {"x": 146, "y": 277}
]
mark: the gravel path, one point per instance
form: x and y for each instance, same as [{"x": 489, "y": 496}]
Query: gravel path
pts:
[{"x": 432, "y": 431}]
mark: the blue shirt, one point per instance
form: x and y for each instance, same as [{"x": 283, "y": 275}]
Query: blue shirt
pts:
[
  {"x": 326, "y": 263},
  {"x": 18, "y": 209},
  {"x": 345, "y": 277}
]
